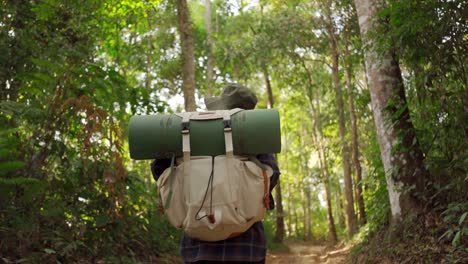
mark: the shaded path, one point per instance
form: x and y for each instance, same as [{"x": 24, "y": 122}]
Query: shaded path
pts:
[{"x": 306, "y": 253}]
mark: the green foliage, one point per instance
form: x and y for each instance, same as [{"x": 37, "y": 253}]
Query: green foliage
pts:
[
  {"x": 65, "y": 193},
  {"x": 269, "y": 225},
  {"x": 71, "y": 75},
  {"x": 428, "y": 38},
  {"x": 455, "y": 220},
  {"x": 376, "y": 194},
  {"x": 8, "y": 145}
]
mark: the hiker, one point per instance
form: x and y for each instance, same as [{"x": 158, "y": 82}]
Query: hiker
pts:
[{"x": 250, "y": 246}]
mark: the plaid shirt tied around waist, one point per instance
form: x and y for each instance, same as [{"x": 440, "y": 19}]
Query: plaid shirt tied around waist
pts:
[{"x": 250, "y": 246}]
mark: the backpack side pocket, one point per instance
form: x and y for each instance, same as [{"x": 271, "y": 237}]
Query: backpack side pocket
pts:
[
  {"x": 252, "y": 191},
  {"x": 176, "y": 208}
]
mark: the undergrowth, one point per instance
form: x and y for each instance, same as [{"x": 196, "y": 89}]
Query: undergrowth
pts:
[{"x": 414, "y": 240}]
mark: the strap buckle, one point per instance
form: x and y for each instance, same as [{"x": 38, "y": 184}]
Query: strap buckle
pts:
[
  {"x": 185, "y": 127},
  {"x": 227, "y": 125}
]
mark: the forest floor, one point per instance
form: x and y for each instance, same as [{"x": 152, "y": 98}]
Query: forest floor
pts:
[{"x": 308, "y": 253}]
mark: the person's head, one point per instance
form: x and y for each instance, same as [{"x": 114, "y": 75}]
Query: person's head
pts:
[{"x": 233, "y": 96}]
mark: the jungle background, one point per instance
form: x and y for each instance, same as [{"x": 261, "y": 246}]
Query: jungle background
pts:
[{"x": 372, "y": 96}]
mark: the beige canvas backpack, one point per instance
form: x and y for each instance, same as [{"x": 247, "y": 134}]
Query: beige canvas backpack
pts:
[{"x": 214, "y": 198}]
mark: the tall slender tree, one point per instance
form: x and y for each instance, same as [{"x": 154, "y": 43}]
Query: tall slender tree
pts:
[
  {"x": 188, "y": 60},
  {"x": 401, "y": 155},
  {"x": 354, "y": 129},
  {"x": 332, "y": 236},
  {"x": 306, "y": 187},
  {"x": 209, "y": 43},
  {"x": 335, "y": 54},
  {"x": 279, "y": 236},
  {"x": 317, "y": 136}
]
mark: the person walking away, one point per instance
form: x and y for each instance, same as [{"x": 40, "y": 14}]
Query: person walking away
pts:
[{"x": 250, "y": 246}]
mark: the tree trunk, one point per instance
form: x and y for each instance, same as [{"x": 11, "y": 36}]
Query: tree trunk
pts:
[
  {"x": 350, "y": 213},
  {"x": 305, "y": 191},
  {"x": 304, "y": 216},
  {"x": 354, "y": 134},
  {"x": 401, "y": 155},
  {"x": 270, "y": 102},
  {"x": 188, "y": 61},
  {"x": 209, "y": 43},
  {"x": 339, "y": 205},
  {"x": 332, "y": 236},
  {"x": 290, "y": 206},
  {"x": 149, "y": 63},
  {"x": 317, "y": 134},
  {"x": 308, "y": 214},
  {"x": 288, "y": 213},
  {"x": 279, "y": 236},
  {"x": 296, "y": 223}
]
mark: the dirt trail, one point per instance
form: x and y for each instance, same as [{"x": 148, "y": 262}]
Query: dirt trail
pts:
[{"x": 307, "y": 253}]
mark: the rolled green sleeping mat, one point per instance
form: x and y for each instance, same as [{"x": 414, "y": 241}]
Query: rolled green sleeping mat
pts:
[{"x": 160, "y": 136}]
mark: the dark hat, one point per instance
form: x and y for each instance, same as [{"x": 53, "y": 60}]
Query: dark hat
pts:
[{"x": 233, "y": 96}]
